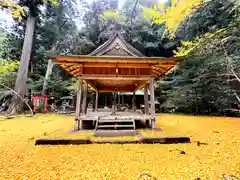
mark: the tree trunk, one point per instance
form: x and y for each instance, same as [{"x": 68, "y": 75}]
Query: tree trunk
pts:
[
  {"x": 49, "y": 69},
  {"x": 47, "y": 76},
  {"x": 21, "y": 81}
]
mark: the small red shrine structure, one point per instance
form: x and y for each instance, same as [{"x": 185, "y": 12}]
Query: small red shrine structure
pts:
[{"x": 36, "y": 99}]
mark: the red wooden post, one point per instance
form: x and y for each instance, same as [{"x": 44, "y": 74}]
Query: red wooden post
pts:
[{"x": 35, "y": 102}]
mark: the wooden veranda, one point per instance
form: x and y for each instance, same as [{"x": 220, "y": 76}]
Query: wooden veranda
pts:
[{"x": 115, "y": 67}]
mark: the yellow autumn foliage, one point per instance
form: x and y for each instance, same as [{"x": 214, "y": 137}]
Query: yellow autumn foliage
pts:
[
  {"x": 188, "y": 46},
  {"x": 21, "y": 159},
  {"x": 8, "y": 66},
  {"x": 172, "y": 15},
  {"x": 111, "y": 15},
  {"x": 13, "y": 8},
  {"x": 16, "y": 10}
]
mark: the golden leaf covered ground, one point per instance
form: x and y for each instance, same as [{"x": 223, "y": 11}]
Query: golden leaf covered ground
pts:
[{"x": 219, "y": 154}]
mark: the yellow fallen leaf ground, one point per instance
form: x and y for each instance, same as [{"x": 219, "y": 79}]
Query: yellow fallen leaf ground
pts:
[{"x": 21, "y": 159}]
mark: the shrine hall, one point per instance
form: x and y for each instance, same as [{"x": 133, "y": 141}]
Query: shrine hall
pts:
[{"x": 115, "y": 67}]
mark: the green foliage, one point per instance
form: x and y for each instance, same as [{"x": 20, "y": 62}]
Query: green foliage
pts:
[
  {"x": 97, "y": 29},
  {"x": 13, "y": 41},
  {"x": 214, "y": 15},
  {"x": 8, "y": 72},
  {"x": 57, "y": 29},
  {"x": 204, "y": 82},
  {"x": 54, "y": 24},
  {"x": 3, "y": 34}
]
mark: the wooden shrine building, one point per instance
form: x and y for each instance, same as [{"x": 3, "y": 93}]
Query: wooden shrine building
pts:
[{"x": 115, "y": 66}]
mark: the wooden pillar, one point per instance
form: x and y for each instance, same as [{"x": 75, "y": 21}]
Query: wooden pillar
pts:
[
  {"x": 96, "y": 102},
  {"x": 146, "y": 100},
  {"x": 152, "y": 100},
  {"x": 118, "y": 105},
  {"x": 114, "y": 104},
  {"x": 93, "y": 101},
  {"x": 122, "y": 99},
  {"x": 134, "y": 102},
  {"x": 78, "y": 105},
  {"x": 105, "y": 100},
  {"x": 79, "y": 98},
  {"x": 85, "y": 93}
]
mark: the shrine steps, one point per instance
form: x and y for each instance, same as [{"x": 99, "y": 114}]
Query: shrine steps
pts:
[{"x": 115, "y": 124}]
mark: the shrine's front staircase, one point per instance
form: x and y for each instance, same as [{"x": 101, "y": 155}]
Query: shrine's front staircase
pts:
[{"x": 115, "y": 123}]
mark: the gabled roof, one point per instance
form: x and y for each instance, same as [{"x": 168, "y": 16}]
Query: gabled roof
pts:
[
  {"x": 116, "y": 46},
  {"x": 116, "y": 66}
]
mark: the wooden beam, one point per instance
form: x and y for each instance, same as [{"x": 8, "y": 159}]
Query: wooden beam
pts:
[
  {"x": 164, "y": 65},
  {"x": 114, "y": 77},
  {"x": 71, "y": 67},
  {"x": 159, "y": 72},
  {"x": 61, "y": 65},
  {"x": 155, "y": 73},
  {"x": 120, "y": 59},
  {"x": 118, "y": 65},
  {"x": 92, "y": 85},
  {"x": 78, "y": 69},
  {"x": 64, "y": 66},
  {"x": 166, "y": 70},
  {"x": 140, "y": 85},
  {"x": 77, "y": 74},
  {"x": 146, "y": 100},
  {"x": 112, "y": 90},
  {"x": 70, "y": 72}
]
